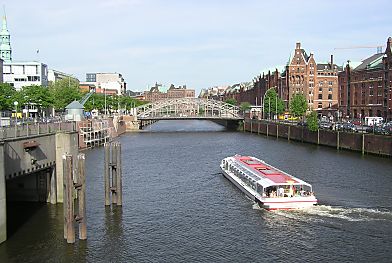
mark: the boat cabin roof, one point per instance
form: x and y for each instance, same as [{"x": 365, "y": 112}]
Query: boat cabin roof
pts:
[{"x": 266, "y": 175}]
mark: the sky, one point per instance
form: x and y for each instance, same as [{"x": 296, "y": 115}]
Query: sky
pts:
[{"x": 200, "y": 43}]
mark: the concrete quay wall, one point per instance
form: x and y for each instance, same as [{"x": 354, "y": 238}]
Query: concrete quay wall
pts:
[{"x": 360, "y": 142}]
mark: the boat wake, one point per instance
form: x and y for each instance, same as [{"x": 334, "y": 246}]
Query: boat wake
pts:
[{"x": 320, "y": 212}]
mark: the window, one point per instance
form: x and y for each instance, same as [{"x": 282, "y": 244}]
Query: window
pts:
[
  {"x": 320, "y": 89},
  {"x": 330, "y": 96},
  {"x": 320, "y": 96},
  {"x": 330, "y": 89},
  {"x": 330, "y": 83}
]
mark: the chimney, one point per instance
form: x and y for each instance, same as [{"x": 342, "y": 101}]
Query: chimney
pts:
[
  {"x": 331, "y": 61},
  {"x": 298, "y": 45}
]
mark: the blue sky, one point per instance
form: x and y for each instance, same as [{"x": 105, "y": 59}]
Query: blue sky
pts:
[{"x": 197, "y": 43}]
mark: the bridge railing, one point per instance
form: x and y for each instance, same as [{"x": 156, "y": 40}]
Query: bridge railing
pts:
[{"x": 26, "y": 130}]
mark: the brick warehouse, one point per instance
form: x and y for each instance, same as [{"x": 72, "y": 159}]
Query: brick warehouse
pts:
[
  {"x": 317, "y": 81},
  {"x": 366, "y": 89}
]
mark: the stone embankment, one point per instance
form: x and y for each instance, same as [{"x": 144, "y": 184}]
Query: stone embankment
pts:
[{"x": 361, "y": 142}]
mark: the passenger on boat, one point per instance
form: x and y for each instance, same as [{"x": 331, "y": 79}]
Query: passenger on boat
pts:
[{"x": 280, "y": 191}]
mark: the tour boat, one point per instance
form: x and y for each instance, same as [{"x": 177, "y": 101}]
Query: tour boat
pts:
[{"x": 270, "y": 187}]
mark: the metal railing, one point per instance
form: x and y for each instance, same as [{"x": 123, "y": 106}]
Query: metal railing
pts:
[{"x": 27, "y": 130}]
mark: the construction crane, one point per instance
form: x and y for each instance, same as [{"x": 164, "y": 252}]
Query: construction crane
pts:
[
  {"x": 379, "y": 48},
  {"x": 87, "y": 96}
]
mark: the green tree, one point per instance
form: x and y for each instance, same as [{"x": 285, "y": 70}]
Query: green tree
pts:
[
  {"x": 64, "y": 91},
  {"x": 312, "y": 121},
  {"x": 7, "y": 96},
  {"x": 231, "y": 101},
  {"x": 245, "y": 106},
  {"x": 272, "y": 103},
  {"x": 37, "y": 95},
  {"x": 298, "y": 105}
]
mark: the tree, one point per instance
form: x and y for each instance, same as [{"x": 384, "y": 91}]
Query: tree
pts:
[
  {"x": 272, "y": 103},
  {"x": 298, "y": 105},
  {"x": 35, "y": 94},
  {"x": 245, "y": 106},
  {"x": 312, "y": 121},
  {"x": 231, "y": 101},
  {"x": 7, "y": 96},
  {"x": 65, "y": 91}
]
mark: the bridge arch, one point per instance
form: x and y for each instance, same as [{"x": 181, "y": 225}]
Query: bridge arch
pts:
[{"x": 188, "y": 108}]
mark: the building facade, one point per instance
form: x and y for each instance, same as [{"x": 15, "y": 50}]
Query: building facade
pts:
[
  {"x": 55, "y": 75},
  {"x": 318, "y": 82},
  {"x": 107, "y": 82},
  {"x": 159, "y": 92},
  {"x": 365, "y": 88},
  {"x": 5, "y": 44},
  {"x": 20, "y": 74}
]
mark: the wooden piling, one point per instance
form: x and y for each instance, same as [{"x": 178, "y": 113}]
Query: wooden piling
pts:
[
  {"x": 119, "y": 176},
  {"x": 114, "y": 173},
  {"x": 69, "y": 234},
  {"x": 82, "y": 197},
  {"x": 106, "y": 173}
]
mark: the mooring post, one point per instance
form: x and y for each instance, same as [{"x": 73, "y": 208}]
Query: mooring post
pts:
[
  {"x": 82, "y": 197},
  {"x": 267, "y": 129},
  {"x": 251, "y": 125},
  {"x": 69, "y": 234},
  {"x": 114, "y": 173},
  {"x": 337, "y": 141},
  {"x": 258, "y": 127},
  {"x": 288, "y": 134},
  {"x": 277, "y": 131},
  {"x": 106, "y": 173},
  {"x": 318, "y": 136},
  {"x": 363, "y": 143},
  {"x": 119, "y": 176}
]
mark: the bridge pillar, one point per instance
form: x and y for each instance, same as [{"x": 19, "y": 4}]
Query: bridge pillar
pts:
[
  {"x": 3, "y": 204},
  {"x": 66, "y": 142}
]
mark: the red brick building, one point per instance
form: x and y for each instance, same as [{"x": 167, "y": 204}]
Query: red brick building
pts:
[
  {"x": 159, "y": 92},
  {"x": 318, "y": 82},
  {"x": 366, "y": 89}
]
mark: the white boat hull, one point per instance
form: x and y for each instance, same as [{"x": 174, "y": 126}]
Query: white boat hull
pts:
[{"x": 275, "y": 203}]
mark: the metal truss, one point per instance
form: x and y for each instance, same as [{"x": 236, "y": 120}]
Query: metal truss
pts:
[{"x": 188, "y": 108}]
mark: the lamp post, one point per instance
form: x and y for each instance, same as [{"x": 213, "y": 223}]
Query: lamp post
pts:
[{"x": 16, "y": 110}]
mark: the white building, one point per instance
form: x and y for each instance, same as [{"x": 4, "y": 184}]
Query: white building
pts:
[
  {"x": 107, "y": 81},
  {"x": 55, "y": 75},
  {"x": 20, "y": 74}
]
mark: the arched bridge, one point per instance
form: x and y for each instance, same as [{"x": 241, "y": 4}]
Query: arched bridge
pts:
[{"x": 188, "y": 108}]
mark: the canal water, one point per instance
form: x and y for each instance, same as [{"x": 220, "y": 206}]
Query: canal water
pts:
[{"x": 177, "y": 207}]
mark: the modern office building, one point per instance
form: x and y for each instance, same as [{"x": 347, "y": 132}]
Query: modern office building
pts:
[
  {"x": 20, "y": 74},
  {"x": 55, "y": 75},
  {"x": 106, "y": 82}
]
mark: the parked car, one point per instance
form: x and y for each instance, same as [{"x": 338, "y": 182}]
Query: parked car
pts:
[
  {"x": 302, "y": 123},
  {"x": 325, "y": 125},
  {"x": 339, "y": 126},
  {"x": 364, "y": 128},
  {"x": 347, "y": 126}
]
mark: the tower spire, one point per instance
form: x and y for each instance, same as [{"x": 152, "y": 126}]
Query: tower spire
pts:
[{"x": 5, "y": 46}]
